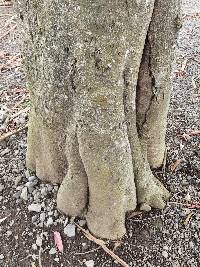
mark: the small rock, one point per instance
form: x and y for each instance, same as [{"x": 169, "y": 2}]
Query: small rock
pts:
[
  {"x": 27, "y": 174},
  {"x": 32, "y": 178},
  {"x": 1, "y": 187},
  {"x": 145, "y": 207},
  {"x": 34, "y": 207},
  {"x": 18, "y": 180},
  {"x": 188, "y": 197},
  {"x": 69, "y": 230},
  {"x": 42, "y": 217},
  {"x": 24, "y": 194},
  {"x": 1, "y": 256},
  {"x": 49, "y": 221},
  {"x": 39, "y": 241},
  {"x": 44, "y": 191},
  {"x": 34, "y": 218},
  {"x": 34, "y": 247},
  {"x": 56, "y": 259},
  {"x": 82, "y": 222},
  {"x": 8, "y": 233},
  {"x": 166, "y": 248},
  {"x": 52, "y": 251},
  {"x": 89, "y": 263},
  {"x": 165, "y": 254}
]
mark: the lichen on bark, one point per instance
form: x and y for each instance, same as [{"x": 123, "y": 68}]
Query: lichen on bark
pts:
[{"x": 88, "y": 128}]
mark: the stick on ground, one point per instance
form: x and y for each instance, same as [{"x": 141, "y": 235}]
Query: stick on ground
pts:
[
  {"x": 7, "y": 135},
  {"x": 102, "y": 244}
]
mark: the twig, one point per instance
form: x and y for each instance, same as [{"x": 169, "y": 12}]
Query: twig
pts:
[
  {"x": 102, "y": 244},
  {"x": 87, "y": 252},
  {"x": 10, "y": 30},
  {"x": 39, "y": 257},
  {"x": 9, "y": 134},
  {"x": 164, "y": 162}
]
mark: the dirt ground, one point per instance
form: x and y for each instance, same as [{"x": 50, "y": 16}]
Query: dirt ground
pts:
[{"x": 158, "y": 238}]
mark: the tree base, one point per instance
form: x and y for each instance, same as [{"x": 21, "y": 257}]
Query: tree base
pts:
[{"x": 99, "y": 191}]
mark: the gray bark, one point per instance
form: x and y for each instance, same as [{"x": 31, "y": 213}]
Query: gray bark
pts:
[{"x": 84, "y": 61}]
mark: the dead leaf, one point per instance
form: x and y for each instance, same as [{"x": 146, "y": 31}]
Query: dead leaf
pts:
[
  {"x": 196, "y": 132},
  {"x": 175, "y": 165},
  {"x": 187, "y": 220},
  {"x": 186, "y": 136},
  {"x": 58, "y": 241},
  {"x": 194, "y": 205}
]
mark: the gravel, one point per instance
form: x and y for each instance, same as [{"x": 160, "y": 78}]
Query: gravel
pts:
[
  {"x": 89, "y": 263},
  {"x": 34, "y": 207},
  {"x": 70, "y": 230}
]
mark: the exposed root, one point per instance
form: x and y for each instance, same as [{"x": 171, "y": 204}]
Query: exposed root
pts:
[{"x": 153, "y": 193}]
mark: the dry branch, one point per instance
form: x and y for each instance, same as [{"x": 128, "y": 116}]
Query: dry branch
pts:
[
  {"x": 102, "y": 244},
  {"x": 7, "y": 135}
]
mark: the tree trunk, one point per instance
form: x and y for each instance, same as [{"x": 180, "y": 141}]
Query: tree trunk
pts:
[{"x": 99, "y": 77}]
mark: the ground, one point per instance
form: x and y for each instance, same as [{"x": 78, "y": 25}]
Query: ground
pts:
[{"x": 158, "y": 238}]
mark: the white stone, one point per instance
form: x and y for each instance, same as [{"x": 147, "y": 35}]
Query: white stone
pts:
[
  {"x": 89, "y": 263},
  {"x": 49, "y": 221},
  {"x": 1, "y": 257},
  {"x": 42, "y": 217},
  {"x": 34, "y": 207},
  {"x": 34, "y": 247},
  {"x": 24, "y": 194},
  {"x": 165, "y": 254},
  {"x": 69, "y": 230},
  {"x": 39, "y": 241},
  {"x": 52, "y": 251}
]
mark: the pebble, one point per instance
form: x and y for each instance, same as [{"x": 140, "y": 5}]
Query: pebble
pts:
[
  {"x": 39, "y": 241},
  {"x": 34, "y": 247},
  {"x": 27, "y": 174},
  {"x": 24, "y": 194},
  {"x": 145, "y": 207},
  {"x": 18, "y": 180},
  {"x": 69, "y": 230},
  {"x": 1, "y": 256},
  {"x": 1, "y": 187},
  {"x": 188, "y": 197},
  {"x": 82, "y": 222},
  {"x": 165, "y": 254},
  {"x": 49, "y": 221},
  {"x": 89, "y": 263},
  {"x": 42, "y": 217},
  {"x": 52, "y": 251},
  {"x": 34, "y": 207},
  {"x": 32, "y": 178},
  {"x": 166, "y": 248},
  {"x": 8, "y": 233},
  {"x": 44, "y": 191}
]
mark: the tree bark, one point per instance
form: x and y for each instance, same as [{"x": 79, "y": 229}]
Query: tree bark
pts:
[{"x": 99, "y": 77}]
